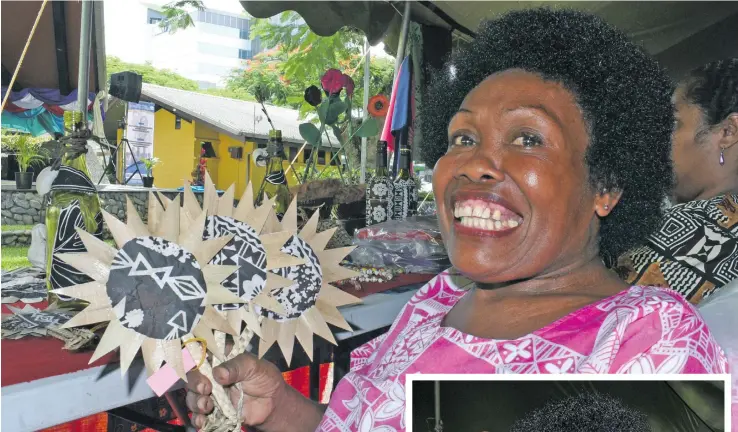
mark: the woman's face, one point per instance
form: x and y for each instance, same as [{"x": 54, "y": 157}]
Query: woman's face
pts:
[
  {"x": 513, "y": 195},
  {"x": 691, "y": 150}
]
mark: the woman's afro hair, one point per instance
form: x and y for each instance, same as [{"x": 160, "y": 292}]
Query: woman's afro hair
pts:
[
  {"x": 586, "y": 412},
  {"x": 624, "y": 94}
]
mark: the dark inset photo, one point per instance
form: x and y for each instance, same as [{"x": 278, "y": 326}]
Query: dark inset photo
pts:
[{"x": 696, "y": 404}]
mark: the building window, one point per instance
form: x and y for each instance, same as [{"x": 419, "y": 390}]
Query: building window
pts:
[
  {"x": 153, "y": 16},
  {"x": 261, "y": 145},
  {"x": 244, "y": 54},
  {"x": 334, "y": 160},
  {"x": 321, "y": 157},
  {"x": 177, "y": 122},
  {"x": 292, "y": 151},
  {"x": 243, "y": 34},
  {"x": 306, "y": 155}
]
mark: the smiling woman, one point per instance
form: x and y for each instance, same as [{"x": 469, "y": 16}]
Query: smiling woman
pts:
[{"x": 551, "y": 143}]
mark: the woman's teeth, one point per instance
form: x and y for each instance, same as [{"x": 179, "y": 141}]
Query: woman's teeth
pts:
[{"x": 485, "y": 216}]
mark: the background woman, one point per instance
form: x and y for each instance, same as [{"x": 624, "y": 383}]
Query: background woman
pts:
[
  {"x": 552, "y": 134},
  {"x": 695, "y": 249}
]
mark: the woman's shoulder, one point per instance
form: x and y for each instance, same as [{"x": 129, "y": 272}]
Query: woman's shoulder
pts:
[{"x": 720, "y": 209}]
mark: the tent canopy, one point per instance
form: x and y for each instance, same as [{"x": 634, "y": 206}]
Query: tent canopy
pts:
[
  {"x": 52, "y": 59},
  {"x": 680, "y": 34}
]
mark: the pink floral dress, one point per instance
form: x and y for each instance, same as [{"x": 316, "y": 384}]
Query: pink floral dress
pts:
[{"x": 642, "y": 330}]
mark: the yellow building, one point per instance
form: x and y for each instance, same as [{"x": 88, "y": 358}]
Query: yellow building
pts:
[{"x": 186, "y": 121}]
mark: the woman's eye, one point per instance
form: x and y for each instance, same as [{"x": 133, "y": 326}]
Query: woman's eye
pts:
[
  {"x": 527, "y": 140},
  {"x": 462, "y": 141}
]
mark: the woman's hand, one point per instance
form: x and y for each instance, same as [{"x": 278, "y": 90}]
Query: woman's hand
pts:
[{"x": 269, "y": 403}]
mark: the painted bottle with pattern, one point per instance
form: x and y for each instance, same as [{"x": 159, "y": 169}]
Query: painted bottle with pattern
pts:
[
  {"x": 405, "y": 202},
  {"x": 71, "y": 205},
  {"x": 380, "y": 190},
  {"x": 275, "y": 181}
]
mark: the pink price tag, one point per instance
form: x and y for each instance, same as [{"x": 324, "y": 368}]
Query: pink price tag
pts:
[{"x": 163, "y": 379}]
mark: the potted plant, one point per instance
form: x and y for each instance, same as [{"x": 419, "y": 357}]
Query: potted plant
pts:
[
  {"x": 149, "y": 164},
  {"x": 27, "y": 153}
]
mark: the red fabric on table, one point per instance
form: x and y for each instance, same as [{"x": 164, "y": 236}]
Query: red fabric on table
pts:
[
  {"x": 33, "y": 358},
  {"x": 368, "y": 288}
]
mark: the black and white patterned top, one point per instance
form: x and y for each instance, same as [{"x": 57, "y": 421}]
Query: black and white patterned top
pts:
[{"x": 694, "y": 252}]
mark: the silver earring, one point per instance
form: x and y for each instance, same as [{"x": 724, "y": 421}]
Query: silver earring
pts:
[
  {"x": 722, "y": 157},
  {"x": 606, "y": 207}
]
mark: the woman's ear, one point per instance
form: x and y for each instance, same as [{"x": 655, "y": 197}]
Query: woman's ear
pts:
[
  {"x": 729, "y": 131},
  {"x": 606, "y": 200}
]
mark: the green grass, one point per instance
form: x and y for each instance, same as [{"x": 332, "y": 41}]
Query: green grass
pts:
[
  {"x": 15, "y": 227},
  {"x": 13, "y": 257}
]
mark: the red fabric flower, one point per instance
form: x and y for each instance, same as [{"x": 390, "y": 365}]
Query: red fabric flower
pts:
[
  {"x": 332, "y": 81},
  {"x": 348, "y": 84},
  {"x": 378, "y": 106}
]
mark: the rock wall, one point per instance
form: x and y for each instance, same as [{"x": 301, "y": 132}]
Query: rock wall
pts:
[
  {"x": 16, "y": 238},
  {"x": 22, "y": 207}
]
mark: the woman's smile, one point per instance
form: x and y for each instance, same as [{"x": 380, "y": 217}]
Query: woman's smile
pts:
[{"x": 483, "y": 214}]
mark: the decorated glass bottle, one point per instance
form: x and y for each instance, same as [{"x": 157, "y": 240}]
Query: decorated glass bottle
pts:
[
  {"x": 73, "y": 203},
  {"x": 405, "y": 197},
  {"x": 275, "y": 181},
  {"x": 380, "y": 190}
]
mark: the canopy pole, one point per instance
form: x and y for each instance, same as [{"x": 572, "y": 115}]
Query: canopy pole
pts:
[
  {"x": 437, "y": 404},
  {"x": 366, "y": 106},
  {"x": 403, "y": 38},
  {"x": 85, "y": 44}
]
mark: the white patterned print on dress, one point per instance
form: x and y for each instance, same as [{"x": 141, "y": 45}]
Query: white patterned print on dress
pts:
[
  {"x": 156, "y": 288},
  {"x": 246, "y": 251},
  {"x": 308, "y": 277},
  {"x": 599, "y": 338}
]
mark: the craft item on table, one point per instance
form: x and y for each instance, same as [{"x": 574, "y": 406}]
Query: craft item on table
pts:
[
  {"x": 30, "y": 321},
  {"x": 156, "y": 288},
  {"x": 27, "y": 285},
  {"x": 311, "y": 302},
  {"x": 414, "y": 244},
  {"x": 33, "y": 322},
  {"x": 374, "y": 274},
  {"x": 73, "y": 203}
]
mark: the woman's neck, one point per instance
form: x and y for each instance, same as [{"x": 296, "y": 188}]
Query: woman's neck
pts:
[{"x": 575, "y": 278}]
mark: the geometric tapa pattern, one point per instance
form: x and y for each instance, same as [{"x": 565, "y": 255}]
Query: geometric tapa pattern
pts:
[
  {"x": 244, "y": 250},
  {"x": 176, "y": 307},
  {"x": 694, "y": 252},
  {"x": 155, "y": 289},
  {"x": 597, "y": 339},
  {"x": 309, "y": 303},
  {"x": 251, "y": 249}
]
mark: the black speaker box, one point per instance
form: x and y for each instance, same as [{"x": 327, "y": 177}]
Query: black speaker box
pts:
[{"x": 126, "y": 86}]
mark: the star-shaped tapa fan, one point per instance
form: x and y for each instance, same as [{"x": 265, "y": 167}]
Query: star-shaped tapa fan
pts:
[
  {"x": 156, "y": 288},
  {"x": 311, "y": 302}
]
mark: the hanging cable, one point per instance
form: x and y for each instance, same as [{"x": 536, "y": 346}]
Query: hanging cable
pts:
[{"x": 23, "y": 55}]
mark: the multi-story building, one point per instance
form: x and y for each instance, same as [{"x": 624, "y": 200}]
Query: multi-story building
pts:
[{"x": 207, "y": 52}]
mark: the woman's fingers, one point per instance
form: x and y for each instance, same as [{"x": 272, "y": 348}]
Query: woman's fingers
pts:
[
  {"x": 199, "y": 404},
  {"x": 198, "y": 383},
  {"x": 241, "y": 368},
  {"x": 198, "y": 420}
]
